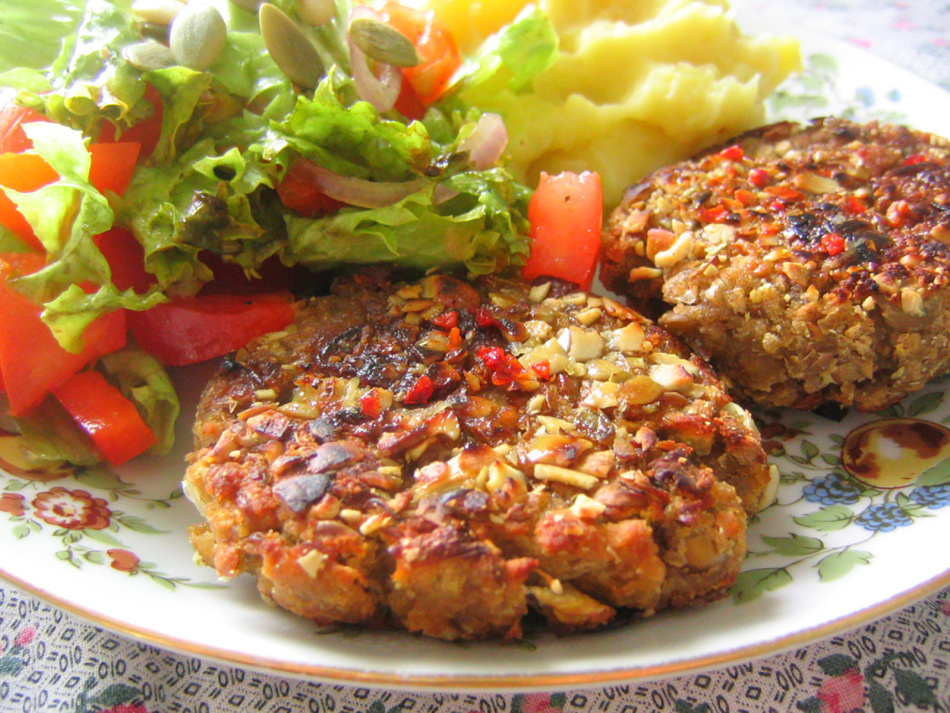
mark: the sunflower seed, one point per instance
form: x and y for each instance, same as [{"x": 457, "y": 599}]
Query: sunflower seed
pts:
[
  {"x": 149, "y": 55},
  {"x": 158, "y": 12},
  {"x": 383, "y": 42},
  {"x": 289, "y": 47},
  {"x": 316, "y": 12},
  {"x": 197, "y": 36}
]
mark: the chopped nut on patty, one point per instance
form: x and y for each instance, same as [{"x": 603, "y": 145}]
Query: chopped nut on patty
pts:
[
  {"x": 445, "y": 457},
  {"x": 810, "y": 264}
]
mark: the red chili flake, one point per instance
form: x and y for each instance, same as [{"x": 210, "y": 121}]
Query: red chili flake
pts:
[
  {"x": 786, "y": 193},
  {"x": 714, "y": 215},
  {"x": 744, "y": 197},
  {"x": 732, "y": 153},
  {"x": 916, "y": 158},
  {"x": 855, "y": 205},
  {"x": 759, "y": 177},
  {"x": 421, "y": 391},
  {"x": 446, "y": 320},
  {"x": 455, "y": 338},
  {"x": 484, "y": 318},
  {"x": 833, "y": 244},
  {"x": 542, "y": 369},
  {"x": 370, "y": 404},
  {"x": 503, "y": 366}
]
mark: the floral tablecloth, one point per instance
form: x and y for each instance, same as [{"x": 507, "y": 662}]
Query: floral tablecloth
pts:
[{"x": 52, "y": 661}]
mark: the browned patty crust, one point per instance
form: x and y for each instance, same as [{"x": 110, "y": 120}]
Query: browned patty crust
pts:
[
  {"x": 445, "y": 457},
  {"x": 808, "y": 263}
]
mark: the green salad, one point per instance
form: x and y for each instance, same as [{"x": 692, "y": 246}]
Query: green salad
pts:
[{"x": 244, "y": 113}]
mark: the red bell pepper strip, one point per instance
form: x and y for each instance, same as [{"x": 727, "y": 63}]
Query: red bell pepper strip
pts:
[
  {"x": 100, "y": 409},
  {"x": 566, "y": 216},
  {"x": 189, "y": 330},
  {"x": 31, "y": 360}
]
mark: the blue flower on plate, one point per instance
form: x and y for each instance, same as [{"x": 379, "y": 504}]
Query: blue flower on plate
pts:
[
  {"x": 933, "y": 497},
  {"x": 831, "y": 490},
  {"x": 883, "y": 518}
]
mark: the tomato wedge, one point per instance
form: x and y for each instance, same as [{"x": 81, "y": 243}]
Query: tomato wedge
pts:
[
  {"x": 566, "y": 217},
  {"x": 435, "y": 44},
  {"x": 189, "y": 330},
  {"x": 100, "y": 409},
  {"x": 31, "y": 360}
]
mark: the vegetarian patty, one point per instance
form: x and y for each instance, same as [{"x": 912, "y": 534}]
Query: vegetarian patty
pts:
[
  {"x": 446, "y": 457},
  {"x": 809, "y": 263}
]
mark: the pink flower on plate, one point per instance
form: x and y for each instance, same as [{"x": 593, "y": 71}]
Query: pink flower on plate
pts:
[
  {"x": 72, "y": 509},
  {"x": 538, "y": 703},
  {"x": 12, "y": 503},
  {"x": 25, "y": 636},
  {"x": 843, "y": 694},
  {"x": 127, "y": 708}
]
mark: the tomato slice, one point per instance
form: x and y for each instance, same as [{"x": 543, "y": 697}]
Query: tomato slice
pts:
[
  {"x": 188, "y": 330},
  {"x": 298, "y": 192},
  {"x": 113, "y": 422},
  {"x": 435, "y": 44},
  {"x": 566, "y": 217},
  {"x": 31, "y": 360}
]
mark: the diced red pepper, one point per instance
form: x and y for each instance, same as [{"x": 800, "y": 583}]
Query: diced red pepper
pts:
[
  {"x": 716, "y": 214},
  {"x": 113, "y": 422},
  {"x": 833, "y": 244},
  {"x": 543, "y": 369},
  {"x": 31, "y": 372},
  {"x": 855, "y": 205},
  {"x": 915, "y": 159},
  {"x": 421, "y": 391},
  {"x": 446, "y": 320},
  {"x": 759, "y": 177},
  {"x": 503, "y": 367},
  {"x": 732, "y": 153},
  {"x": 188, "y": 330}
]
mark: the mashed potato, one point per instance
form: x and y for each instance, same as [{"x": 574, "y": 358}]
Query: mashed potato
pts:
[{"x": 638, "y": 84}]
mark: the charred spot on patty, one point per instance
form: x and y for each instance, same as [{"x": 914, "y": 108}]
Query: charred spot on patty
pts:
[
  {"x": 454, "y": 458},
  {"x": 831, "y": 287}
]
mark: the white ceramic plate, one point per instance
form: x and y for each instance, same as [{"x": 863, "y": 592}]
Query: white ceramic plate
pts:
[{"x": 832, "y": 553}]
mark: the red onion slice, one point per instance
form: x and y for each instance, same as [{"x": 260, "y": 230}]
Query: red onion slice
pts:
[
  {"x": 380, "y": 91},
  {"x": 487, "y": 142},
  {"x": 358, "y": 191}
]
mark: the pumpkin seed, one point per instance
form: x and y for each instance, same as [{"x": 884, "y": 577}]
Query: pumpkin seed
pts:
[
  {"x": 383, "y": 42},
  {"x": 158, "y": 12},
  {"x": 289, "y": 47},
  {"x": 316, "y": 12},
  {"x": 197, "y": 36},
  {"x": 149, "y": 55}
]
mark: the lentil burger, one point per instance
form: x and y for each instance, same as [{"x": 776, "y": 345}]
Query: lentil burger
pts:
[
  {"x": 809, "y": 263},
  {"x": 446, "y": 457}
]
